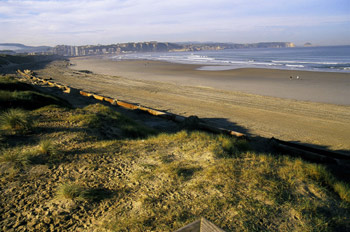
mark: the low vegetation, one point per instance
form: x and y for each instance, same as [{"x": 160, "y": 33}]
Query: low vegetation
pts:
[
  {"x": 17, "y": 59},
  {"x": 71, "y": 191},
  {"x": 93, "y": 168},
  {"x": 16, "y": 121},
  {"x": 108, "y": 122},
  {"x": 14, "y": 94}
]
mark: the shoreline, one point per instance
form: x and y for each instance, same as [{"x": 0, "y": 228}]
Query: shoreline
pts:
[{"x": 322, "y": 87}]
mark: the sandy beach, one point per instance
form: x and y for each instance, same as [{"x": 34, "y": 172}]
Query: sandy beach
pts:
[
  {"x": 261, "y": 102},
  {"x": 324, "y": 87}
]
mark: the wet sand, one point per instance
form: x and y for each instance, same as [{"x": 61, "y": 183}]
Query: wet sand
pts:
[
  {"x": 324, "y": 87},
  {"x": 223, "y": 98}
]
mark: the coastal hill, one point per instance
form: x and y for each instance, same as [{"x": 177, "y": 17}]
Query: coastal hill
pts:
[
  {"x": 153, "y": 46},
  {"x": 13, "y": 48}
]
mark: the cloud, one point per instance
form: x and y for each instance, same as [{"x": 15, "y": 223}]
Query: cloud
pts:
[{"x": 82, "y": 22}]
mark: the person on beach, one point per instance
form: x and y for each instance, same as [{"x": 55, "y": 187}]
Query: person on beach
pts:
[
  {"x": 298, "y": 77},
  {"x": 290, "y": 77}
]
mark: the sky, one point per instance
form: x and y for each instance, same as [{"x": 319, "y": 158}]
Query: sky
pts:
[{"x": 83, "y": 22}]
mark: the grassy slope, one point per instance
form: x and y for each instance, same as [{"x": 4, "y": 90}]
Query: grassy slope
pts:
[
  {"x": 16, "y": 59},
  {"x": 102, "y": 170},
  {"x": 15, "y": 94}
]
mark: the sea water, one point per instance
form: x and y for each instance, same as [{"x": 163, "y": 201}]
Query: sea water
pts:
[{"x": 329, "y": 59}]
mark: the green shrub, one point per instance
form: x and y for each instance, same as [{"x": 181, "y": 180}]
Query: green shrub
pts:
[{"x": 16, "y": 120}]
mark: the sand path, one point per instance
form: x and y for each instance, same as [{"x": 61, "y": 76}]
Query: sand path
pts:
[{"x": 325, "y": 125}]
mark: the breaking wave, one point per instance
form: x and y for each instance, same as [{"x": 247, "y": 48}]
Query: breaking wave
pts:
[{"x": 332, "y": 59}]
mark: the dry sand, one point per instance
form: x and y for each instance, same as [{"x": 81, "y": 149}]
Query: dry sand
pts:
[
  {"x": 232, "y": 99},
  {"x": 324, "y": 87}
]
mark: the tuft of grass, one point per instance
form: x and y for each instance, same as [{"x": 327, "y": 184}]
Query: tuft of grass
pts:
[
  {"x": 78, "y": 192},
  {"x": 16, "y": 120},
  {"x": 323, "y": 176},
  {"x": 47, "y": 147},
  {"x": 186, "y": 172},
  {"x": 86, "y": 120},
  {"x": 230, "y": 147},
  {"x": 71, "y": 191},
  {"x": 343, "y": 189},
  {"x": 45, "y": 152},
  {"x": 14, "y": 157}
]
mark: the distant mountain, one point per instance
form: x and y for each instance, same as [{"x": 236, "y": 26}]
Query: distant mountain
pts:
[{"x": 21, "y": 48}]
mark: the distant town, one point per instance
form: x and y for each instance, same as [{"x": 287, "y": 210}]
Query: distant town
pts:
[{"x": 153, "y": 46}]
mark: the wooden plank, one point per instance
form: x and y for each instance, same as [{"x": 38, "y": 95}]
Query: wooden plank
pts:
[
  {"x": 192, "y": 227},
  {"x": 207, "y": 226},
  {"x": 221, "y": 130},
  {"x": 127, "y": 105},
  {"x": 314, "y": 150},
  {"x": 110, "y": 100},
  {"x": 98, "y": 97},
  {"x": 201, "y": 225}
]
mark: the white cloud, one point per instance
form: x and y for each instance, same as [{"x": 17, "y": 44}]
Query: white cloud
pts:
[{"x": 82, "y": 22}]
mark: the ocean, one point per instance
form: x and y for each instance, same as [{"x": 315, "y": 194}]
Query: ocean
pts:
[{"x": 326, "y": 59}]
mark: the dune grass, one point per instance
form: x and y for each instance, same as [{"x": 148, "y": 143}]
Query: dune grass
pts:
[
  {"x": 106, "y": 120},
  {"x": 46, "y": 152},
  {"x": 142, "y": 180},
  {"x": 47, "y": 147},
  {"x": 13, "y": 157},
  {"x": 9, "y": 83},
  {"x": 77, "y": 192},
  {"x": 14, "y": 94},
  {"x": 169, "y": 180},
  {"x": 27, "y": 99},
  {"x": 71, "y": 191},
  {"x": 182, "y": 177},
  {"x": 16, "y": 121}
]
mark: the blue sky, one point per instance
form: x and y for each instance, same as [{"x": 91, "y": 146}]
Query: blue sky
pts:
[{"x": 77, "y": 22}]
